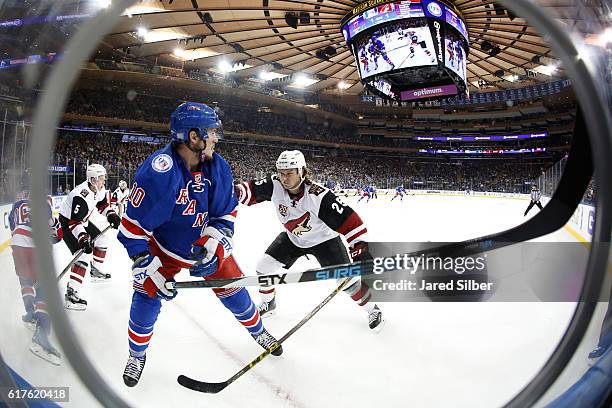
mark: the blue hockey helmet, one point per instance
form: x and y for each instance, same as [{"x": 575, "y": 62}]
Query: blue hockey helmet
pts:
[{"x": 193, "y": 115}]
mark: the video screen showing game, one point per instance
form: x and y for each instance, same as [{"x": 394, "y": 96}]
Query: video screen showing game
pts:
[
  {"x": 380, "y": 15},
  {"x": 454, "y": 57},
  {"x": 401, "y": 44},
  {"x": 383, "y": 86}
]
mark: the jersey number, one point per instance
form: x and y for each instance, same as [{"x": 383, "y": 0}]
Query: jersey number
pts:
[
  {"x": 137, "y": 195},
  {"x": 22, "y": 215},
  {"x": 338, "y": 207}
]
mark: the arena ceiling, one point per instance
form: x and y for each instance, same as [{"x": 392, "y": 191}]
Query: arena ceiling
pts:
[{"x": 251, "y": 39}]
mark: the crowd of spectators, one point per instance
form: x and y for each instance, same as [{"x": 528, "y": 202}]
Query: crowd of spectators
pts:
[
  {"x": 247, "y": 118},
  {"x": 350, "y": 170}
]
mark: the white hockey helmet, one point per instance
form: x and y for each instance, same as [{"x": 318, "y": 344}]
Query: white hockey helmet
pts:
[
  {"x": 122, "y": 184},
  {"x": 95, "y": 171},
  {"x": 290, "y": 159}
]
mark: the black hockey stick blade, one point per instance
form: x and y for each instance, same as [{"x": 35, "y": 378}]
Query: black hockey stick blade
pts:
[
  {"x": 206, "y": 387},
  {"x": 213, "y": 388}
]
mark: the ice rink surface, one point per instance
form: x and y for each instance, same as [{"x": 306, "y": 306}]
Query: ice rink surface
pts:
[{"x": 427, "y": 355}]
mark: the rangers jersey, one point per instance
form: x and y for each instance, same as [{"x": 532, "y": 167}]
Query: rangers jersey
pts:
[
  {"x": 170, "y": 206},
  {"x": 19, "y": 223},
  {"x": 80, "y": 204},
  {"x": 311, "y": 217}
]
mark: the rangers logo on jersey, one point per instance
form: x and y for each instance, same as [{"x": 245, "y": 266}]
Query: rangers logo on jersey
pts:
[
  {"x": 298, "y": 226},
  {"x": 282, "y": 209},
  {"x": 162, "y": 163}
]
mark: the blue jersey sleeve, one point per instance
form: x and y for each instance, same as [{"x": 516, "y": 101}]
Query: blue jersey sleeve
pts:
[
  {"x": 12, "y": 218},
  {"x": 222, "y": 203},
  {"x": 150, "y": 205}
]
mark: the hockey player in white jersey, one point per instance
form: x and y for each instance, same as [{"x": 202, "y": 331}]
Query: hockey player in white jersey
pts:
[
  {"x": 314, "y": 219},
  {"x": 79, "y": 232},
  {"x": 119, "y": 197}
]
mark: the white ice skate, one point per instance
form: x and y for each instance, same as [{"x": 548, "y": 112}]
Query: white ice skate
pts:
[
  {"x": 29, "y": 321},
  {"x": 376, "y": 320},
  {"x": 97, "y": 276},
  {"x": 41, "y": 347},
  {"x": 73, "y": 301},
  {"x": 267, "y": 309}
]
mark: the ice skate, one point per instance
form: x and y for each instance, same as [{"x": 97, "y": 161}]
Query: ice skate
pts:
[
  {"x": 97, "y": 276},
  {"x": 267, "y": 309},
  {"x": 376, "y": 321},
  {"x": 29, "y": 320},
  {"x": 267, "y": 341},
  {"x": 73, "y": 301},
  {"x": 133, "y": 370},
  {"x": 41, "y": 347}
]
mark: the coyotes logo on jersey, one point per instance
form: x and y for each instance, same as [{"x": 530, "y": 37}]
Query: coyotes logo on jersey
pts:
[
  {"x": 282, "y": 209},
  {"x": 299, "y": 225}
]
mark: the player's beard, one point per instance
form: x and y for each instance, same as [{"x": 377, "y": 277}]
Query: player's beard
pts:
[{"x": 209, "y": 149}]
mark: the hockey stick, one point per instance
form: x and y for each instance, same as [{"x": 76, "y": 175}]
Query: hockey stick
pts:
[
  {"x": 555, "y": 215},
  {"x": 213, "y": 388},
  {"x": 78, "y": 254}
]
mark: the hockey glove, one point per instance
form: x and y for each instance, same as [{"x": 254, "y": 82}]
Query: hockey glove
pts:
[
  {"x": 85, "y": 244},
  {"x": 56, "y": 231},
  {"x": 146, "y": 272},
  {"x": 113, "y": 219},
  {"x": 360, "y": 252},
  {"x": 210, "y": 251}
]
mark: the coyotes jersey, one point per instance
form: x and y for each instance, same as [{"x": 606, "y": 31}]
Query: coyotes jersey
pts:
[
  {"x": 310, "y": 218},
  {"x": 120, "y": 197},
  {"x": 80, "y": 204}
]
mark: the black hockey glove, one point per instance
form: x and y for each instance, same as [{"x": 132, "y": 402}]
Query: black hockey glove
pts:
[
  {"x": 113, "y": 219},
  {"x": 360, "y": 252},
  {"x": 85, "y": 243}
]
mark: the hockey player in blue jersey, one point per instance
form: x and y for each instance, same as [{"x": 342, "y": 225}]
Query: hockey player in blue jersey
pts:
[
  {"x": 181, "y": 214},
  {"x": 24, "y": 258},
  {"x": 367, "y": 192},
  {"x": 377, "y": 49},
  {"x": 399, "y": 191}
]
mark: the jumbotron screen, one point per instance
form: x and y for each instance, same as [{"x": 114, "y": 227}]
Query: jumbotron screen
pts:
[
  {"x": 408, "y": 50},
  {"x": 401, "y": 44}
]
